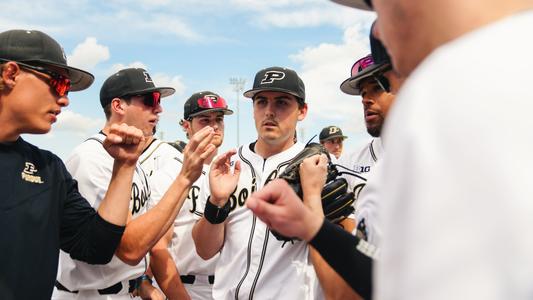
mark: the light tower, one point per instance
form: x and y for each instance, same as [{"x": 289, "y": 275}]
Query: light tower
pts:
[{"x": 238, "y": 87}]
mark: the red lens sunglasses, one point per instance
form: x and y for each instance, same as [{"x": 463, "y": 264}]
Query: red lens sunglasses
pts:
[{"x": 58, "y": 82}]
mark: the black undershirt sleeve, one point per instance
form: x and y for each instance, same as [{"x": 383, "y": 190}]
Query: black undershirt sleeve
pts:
[
  {"x": 342, "y": 251},
  {"x": 84, "y": 234}
]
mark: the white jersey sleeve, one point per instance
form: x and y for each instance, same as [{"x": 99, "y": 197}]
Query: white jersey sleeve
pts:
[{"x": 457, "y": 188}]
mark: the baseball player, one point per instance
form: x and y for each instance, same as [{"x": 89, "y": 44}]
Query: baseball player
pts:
[
  {"x": 126, "y": 96},
  {"x": 253, "y": 264},
  {"x": 41, "y": 209},
  {"x": 370, "y": 80},
  {"x": 459, "y": 184},
  {"x": 177, "y": 250},
  {"x": 332, "y": 139}
]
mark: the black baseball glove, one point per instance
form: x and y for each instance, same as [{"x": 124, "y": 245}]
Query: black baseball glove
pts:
[{"x": 336, "y": 200}]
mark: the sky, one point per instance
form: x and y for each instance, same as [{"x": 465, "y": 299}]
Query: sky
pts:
[{"x": 193, "y": 46}]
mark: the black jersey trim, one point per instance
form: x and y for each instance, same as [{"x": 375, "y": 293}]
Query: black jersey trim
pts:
[
  {"x": 372, "y": 152},
  {"x": 263, "y": 255},
  {"x": 149, "y": 155}
]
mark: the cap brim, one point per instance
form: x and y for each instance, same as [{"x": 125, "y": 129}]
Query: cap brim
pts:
[
  {"x": 360, "y": 4},
  {"x": 79, "y": 79},
  {"x": 251, "y": 93},
  {"x": 350, "y": 86},
  {"x": 226, "y": 111},
  {"x": 334, "y": 137},
  {"x": 165, "y": 91}
]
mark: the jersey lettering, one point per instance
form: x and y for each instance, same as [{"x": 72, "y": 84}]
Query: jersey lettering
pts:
[
  {"x": 139, "y": 198},
  {"x": 193, "y": 195}
]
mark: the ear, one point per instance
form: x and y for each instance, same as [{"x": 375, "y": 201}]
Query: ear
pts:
[
  {"x": 302, "y": 112},
  {"x": 118, "y": 106},
  {"x": 9, "y": 72}
]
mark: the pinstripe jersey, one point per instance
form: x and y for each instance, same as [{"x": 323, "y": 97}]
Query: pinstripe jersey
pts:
[
  {"x": 253, "y": 264},
  {"x": 363, "y": 162},
  {"x": 166, "y": 163},
  {"x": 91, "y": 166}
]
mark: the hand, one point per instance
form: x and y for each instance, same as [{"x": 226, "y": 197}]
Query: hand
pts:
[
  {"x": 281, "y": 209},
  {"x": 196, "y": 152},
  {"x": 124, "y": 143},
  {"x": 313, "y": 173},
  {"x": 221, "y": 180},
  {"x": 148, "y": 292}
]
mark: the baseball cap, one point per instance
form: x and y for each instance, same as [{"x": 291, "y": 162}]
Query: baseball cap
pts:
[
  {"x": 33, "y": 46},
  {"x": 361, "y": 4},
  {"x": 331, "y": 132},
  {"x": 130, "y": 82},
  {"x": 367, "y": 66},
  {"x": 277, "y": 79},
  {"x": 204, "y": 102}
]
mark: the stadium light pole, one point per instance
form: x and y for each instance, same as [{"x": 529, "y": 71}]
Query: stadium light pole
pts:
[{"x": 238, "y": 87}]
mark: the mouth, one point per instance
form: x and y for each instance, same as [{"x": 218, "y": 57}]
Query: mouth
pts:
[
  {"x": 53, "y": 114},
  {"x": 370, "y": 115},
  {"x": 154, "y": 121},
  {"x": 269, "y": 123}
]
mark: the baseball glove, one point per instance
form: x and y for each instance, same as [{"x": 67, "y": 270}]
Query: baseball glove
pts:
[{"x": 336, "y": 200}]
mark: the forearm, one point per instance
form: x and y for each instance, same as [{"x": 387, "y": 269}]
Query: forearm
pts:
[
  {"x": 166, "y": 274},
  {"x": 143, "y": 232},
  {"x": 114, "y": 208},
  {"x": 332, "y": 284},
  {"x": 208, "y": 238},
  {"x": 351, "y": 258}
]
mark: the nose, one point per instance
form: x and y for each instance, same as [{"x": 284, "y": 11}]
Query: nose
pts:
[
  {"x": 269, "y": 110},
  {"x": 367, "y": 101},
  {"x": 63, "y": 101},
  {"x": 158, "y": 108}
]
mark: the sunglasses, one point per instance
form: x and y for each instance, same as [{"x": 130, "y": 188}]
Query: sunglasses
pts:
[
  {"x": 362, "y": 64},
  {"x": 152, "y": 99},
  {"x": 212, "y": 101},
  {"x": 58, "y": 82}
]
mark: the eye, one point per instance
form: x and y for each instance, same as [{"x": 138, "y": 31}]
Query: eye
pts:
[
  {"x": 260, "y": 102},
  {"x": 220, "y": 119}
]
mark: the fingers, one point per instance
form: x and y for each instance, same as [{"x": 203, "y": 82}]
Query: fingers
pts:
[
  {"x": 201, "y": 139},
  {"x": 124, "y": 134}
]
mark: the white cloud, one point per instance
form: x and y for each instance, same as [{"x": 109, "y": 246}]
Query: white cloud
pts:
[
  {"x": 117, "y": 67},
  {"x": 162, "y": 79},
  {"x": 88, "y": 54},
  {"x": 323, "y": 68},
  {"x": 77, "y": 124}
]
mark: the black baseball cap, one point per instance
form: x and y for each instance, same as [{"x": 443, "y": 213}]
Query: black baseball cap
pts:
[
  {"x": 277, "y": 79},
  {"x": 360, "y": 4},
  {"x": 130, "y": 82},
  {"x": 331, "y": 132},
  {"x": 35, "y": 47},
  {"x": 366, "y": 67},
  {"x": 204, "y": 102}
]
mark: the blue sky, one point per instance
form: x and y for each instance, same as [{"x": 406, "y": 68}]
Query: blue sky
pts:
[{"x": 195, "y": 45}]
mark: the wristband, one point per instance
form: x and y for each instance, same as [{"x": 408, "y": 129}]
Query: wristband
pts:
[
  {"x": 142, "y": 278},
  {"x": 214, "y": 214}
]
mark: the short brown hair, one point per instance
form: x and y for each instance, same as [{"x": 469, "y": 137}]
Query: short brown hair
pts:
[{"x": 107, "y": 108}]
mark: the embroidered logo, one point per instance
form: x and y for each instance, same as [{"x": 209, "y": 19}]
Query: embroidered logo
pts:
[
  {"x": 270, "y": 76},
  {"x": 28, "y": 174},
  {"x": 333, "y": 130},
  {"x": 147, "y": 77}
]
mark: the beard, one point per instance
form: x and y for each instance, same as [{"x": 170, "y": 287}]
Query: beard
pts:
[{"x": 374, "y": 130}]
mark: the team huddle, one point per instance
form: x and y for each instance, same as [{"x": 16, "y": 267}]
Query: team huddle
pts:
[{"x": 127, "y": 215}]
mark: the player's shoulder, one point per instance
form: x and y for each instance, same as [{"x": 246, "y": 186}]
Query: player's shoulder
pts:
[{"x": 90, "y": 150}]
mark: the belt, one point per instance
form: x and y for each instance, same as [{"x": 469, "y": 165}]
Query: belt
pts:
[
  {"x": 190, "y": 279},
  {"x": 112, "y": 290}
]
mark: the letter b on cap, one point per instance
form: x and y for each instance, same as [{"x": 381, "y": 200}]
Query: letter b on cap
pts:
[{"x": 270, "y": 76}]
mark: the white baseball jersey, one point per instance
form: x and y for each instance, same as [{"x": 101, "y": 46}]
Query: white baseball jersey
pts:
[
  {"x": 156, "y": 155},
  {"x": 253, "y": 264},
  {"x": 363, "y": 163},
  {"x": 457, "y": 192},
  {"x": 91, "y": 166},
  {"x": 182, "y": 247}
]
